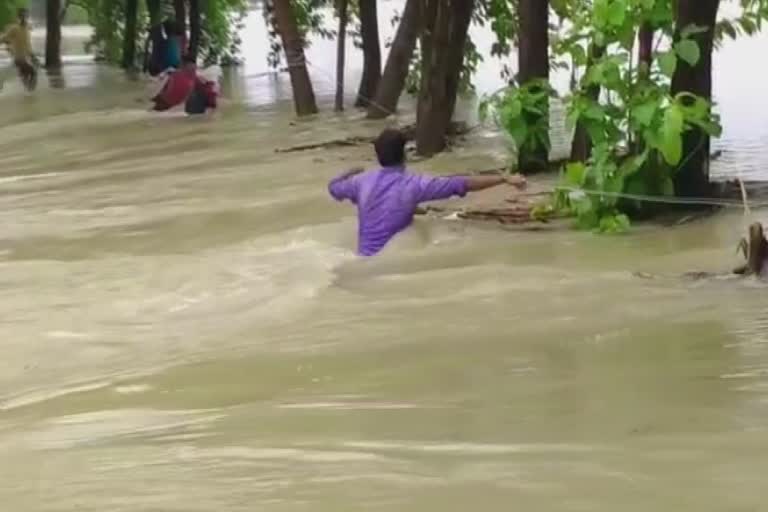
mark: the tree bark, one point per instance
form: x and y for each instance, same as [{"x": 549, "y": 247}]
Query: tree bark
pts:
[
  {"x": 153, "y": 8},
  {"x": 129, "y": 38},
  {"x": 442, "y": 58},
  {"x": 581, "y": 147},
  {"x": 180, "y": 13},
  {"x": 533, "y": 64},
  {"x": 53, "y": 34},
  {"x": 303, "y": 94},
  {"x": 399, "y": 59},
  {"x": 645, "y": 50},
  {"x": 692, "y": 179},
  {"x": 341, "y": 48},
  {"x": 195, "y": 28},
  {"x": 369, "y": 28}
]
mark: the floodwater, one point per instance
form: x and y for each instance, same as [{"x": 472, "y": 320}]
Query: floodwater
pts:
[{"x": 184, "y": 325}]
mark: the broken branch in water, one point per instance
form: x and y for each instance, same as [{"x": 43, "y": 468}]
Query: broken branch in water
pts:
[
  {"x": 454, "y": 130},
  {"x": 755, "y": 249}
]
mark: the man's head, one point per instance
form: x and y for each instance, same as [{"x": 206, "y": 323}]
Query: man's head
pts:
[
  {"x": 23, "y": 15},
  {"x": 390, "y": 148}
]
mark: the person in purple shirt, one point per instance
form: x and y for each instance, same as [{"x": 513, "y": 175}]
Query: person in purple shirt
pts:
[{"x": 387, "y": 198}]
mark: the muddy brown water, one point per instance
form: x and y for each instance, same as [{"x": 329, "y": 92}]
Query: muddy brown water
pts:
[{"x": 184, "y": 325}]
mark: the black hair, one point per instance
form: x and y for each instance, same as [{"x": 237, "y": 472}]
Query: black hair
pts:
[
  {"x": 169, "y": 26},
  {"x": 188, "y": 59},
  {"x": 390, "y": 147}
]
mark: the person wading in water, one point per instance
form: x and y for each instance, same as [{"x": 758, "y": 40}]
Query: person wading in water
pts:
[
  {"x": 19, "y": 42},
  {"x": 387, "y": 198}
]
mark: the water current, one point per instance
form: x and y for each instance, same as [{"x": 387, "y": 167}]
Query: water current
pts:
[{"x": 184, "y": 325}]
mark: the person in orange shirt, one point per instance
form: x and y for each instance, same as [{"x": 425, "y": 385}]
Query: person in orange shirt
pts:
[{"x": 19, "y": 42}]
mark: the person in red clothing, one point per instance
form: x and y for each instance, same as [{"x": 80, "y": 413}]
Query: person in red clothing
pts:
[{"x": 183, "y": 86}]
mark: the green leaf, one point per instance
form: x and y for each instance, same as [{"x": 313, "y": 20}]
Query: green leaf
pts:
[
  {"x": 633, "y": 164},
  {"x": 518, "y": 131},
  {"x": 579, "y": 55},
  {"x": 668, "y": 187},
  {"x": 617, "y": 12},
  {"x": 512, "y": 109},
  {"x": 672, "y": 139},
  {"x": 601, "y": 12},
  {"x": 688, "y": 50},
  {"x": 692, "y": 29},
  {"x": 575, "y": 173},
  {"x": 668, "y": 63},
  {"x": 623, "y": 223},
  {"x": 645, "y": 113}
]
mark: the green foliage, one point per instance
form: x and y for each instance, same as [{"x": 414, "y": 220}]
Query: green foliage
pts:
[
  {"x": 522, "y": 113},
  {"x": 75, "y": 15},
  {"x": 221, "y": 22},
  {"x": 8, "y": 11},
  {"x": 309, "y": 20},
  {"x": 636, "y": 127}
]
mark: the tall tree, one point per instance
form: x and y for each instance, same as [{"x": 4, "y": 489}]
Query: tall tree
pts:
[
  {"x": 369, "y": 30},
  {"x": 645, "y": 49},
  {"x": 533, "y": 64},
  {"x": 399, "y": 59},
  {"x": 180, "y": 13},
  {"x": 153, "y": 8},
  {"x": 581, "y": 147},
  {"x": 53, "y": 34},
  {"x": 692, "y": 179},
  {"x": 195, "y": 28},
  {"x": 129, "y": 39},
  {"x": 341, "y": 48},
  {"x": 442, "y": 57},
  {"x": 284, "y": 19}
]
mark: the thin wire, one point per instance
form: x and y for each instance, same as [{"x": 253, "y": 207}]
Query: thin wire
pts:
[{"x": 704, "y": 201}]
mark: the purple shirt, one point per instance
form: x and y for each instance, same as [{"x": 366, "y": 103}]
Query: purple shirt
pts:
[{"x": 386, "y": 201}]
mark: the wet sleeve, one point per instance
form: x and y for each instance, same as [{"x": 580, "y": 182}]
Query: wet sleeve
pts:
[
  {"x": 344, "y": 187},
  {"x": 5, "y": 37},
  {"x": 432, "y": 188}
]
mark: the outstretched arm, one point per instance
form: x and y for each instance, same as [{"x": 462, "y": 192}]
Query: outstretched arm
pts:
[
  {"x": 476, "y": 183},
  {"x": 434, "y": 188},
  {"x": 345, "y": 186}
]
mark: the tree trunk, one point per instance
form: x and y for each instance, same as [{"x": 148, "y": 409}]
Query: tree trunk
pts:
[
  {"x": 645, "y": 50},
  {"x": 581, "y": 147},
  {"x": 53, "y": 34},
  {"x": 341, "y": 47},
  {"x": 399, "y": 59},
  {"x": 369, "y": 28},
  {"x": 195, "y": 28},
  {"x": 180, "y": 13},
  {"x": 442, "y": 59},
  {"x": 303, "y": 95},
  {"x": 692, "y": 179},
  {"x": 153, "y": 8},
  {"x": 129, "y": 38},
  {"x": 533, "y": 64}
]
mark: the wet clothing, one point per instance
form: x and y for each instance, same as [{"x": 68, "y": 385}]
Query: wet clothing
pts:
[
  {"x": 27, "y": 72},
  {"x": 172, "y": 57},
  {"x": 185, "y": 86},
  {"x": 203, "y": 97},
  {"x": 156, "y": 62},
  {"x": 387, "y": 199},
  {"x": 177, "y": 89},
  {"x": 19, "y": 40}
]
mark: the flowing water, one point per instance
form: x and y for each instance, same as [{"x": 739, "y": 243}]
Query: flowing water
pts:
[{"x": 184, "y": 325}]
